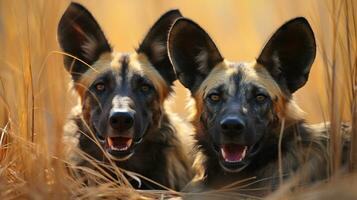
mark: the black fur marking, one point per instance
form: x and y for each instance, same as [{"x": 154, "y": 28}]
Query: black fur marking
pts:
[{"x": 124, "y": 61}]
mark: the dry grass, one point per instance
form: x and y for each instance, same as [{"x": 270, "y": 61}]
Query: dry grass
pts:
[
  {"x": 34, "y": 108},
  {"x": 35, "y": 98},
  {"x": 339, "y": 56}
]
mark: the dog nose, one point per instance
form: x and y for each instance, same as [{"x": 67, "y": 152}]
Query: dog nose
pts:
[
  {"x": 121, "y": 121},
  {"x": 232, "y": 124}
]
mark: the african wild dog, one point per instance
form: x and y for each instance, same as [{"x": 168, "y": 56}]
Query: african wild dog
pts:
[
  {"x": 122, "y": 99},
  {"x": 241, "y": 107}
]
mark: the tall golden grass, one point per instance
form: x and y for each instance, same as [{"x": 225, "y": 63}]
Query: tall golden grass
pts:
[{"x": 35, "y": 97}]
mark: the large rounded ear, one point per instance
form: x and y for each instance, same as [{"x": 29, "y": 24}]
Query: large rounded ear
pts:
[
  {"x": 154, "y": 45},
  {"x": 192, "y": 53},
  {"x": 80, "y": 36},
  {"x": 289, "y": 54}
]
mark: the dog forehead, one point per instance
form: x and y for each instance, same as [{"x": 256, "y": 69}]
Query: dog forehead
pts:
[
  {"x": 253, "y": 73},
  {"x": 234, "y": 74},
  {"x": 223, "y": 74},
  {"x": 106, "y": 62},
  {"x": 120, "y": 65}
]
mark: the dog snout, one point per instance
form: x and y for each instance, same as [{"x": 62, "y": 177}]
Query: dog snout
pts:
[
  {"x": 232, "y": 125},
  {"x": 121, "y": 120}
]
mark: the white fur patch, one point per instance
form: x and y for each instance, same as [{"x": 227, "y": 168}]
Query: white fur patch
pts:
[
  {"x": 244, "y": 109},
  {"x": 89, "y": 46},
  {"x": 276, "y": 59},
  {"x": 114, "y": 63},
  {"x": 120, "y": 102},
  {"x": 159, "y": 51},
  {"x": 202, "y": 61}
]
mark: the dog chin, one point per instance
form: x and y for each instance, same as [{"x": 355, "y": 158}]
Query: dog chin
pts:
[
  {"x": 115, "y": 158},
  {"x": 231, "y": 170}
]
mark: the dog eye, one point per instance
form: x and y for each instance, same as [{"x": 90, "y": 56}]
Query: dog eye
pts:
[
  {"x": 260, "y": 97},
  {"x": 100, "y": 87},
  {"x": 145, "y": 88},
  {"x": 214, "y": 97}
]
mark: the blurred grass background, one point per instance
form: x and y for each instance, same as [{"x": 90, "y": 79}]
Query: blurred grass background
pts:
[
  {"x": 239, "y": 28},
  {"x": 35, "y": 96}
]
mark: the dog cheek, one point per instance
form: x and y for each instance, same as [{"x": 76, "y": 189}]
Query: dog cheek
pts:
[
  {"x": 208, "y": 116},
  {"x": 157, "y": 116},
  {"x": 152, "y": 112},
  {"x": 86, "y": 110},
  {"x": 206, "y": 123},
  {"x": 265, "y": 115},
  {"x": 272, "y": 119}
]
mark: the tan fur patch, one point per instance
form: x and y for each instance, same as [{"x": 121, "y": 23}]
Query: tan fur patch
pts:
[
  {"x": 198, "y": 168},
  {"x": 90, "y": 46}
]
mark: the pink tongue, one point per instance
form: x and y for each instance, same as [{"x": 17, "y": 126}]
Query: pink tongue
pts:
[{"x": 233, "y": 152}]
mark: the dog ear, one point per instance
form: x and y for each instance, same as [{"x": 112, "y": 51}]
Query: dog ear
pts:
[
  {"x": 155, "y": 48},
  {"x": 289, "y": 54},
  {"x": 192, "y": 53},
  {"x": 80, "y": 36}
]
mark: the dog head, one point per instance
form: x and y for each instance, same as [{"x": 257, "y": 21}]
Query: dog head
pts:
[
  {"x": 239, "y": 103},
  {"x": 121, "y": 94}
]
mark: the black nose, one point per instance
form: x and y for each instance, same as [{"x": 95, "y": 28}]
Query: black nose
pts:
[
  {"x": 232, "y": 125},
  {"x": 121, "y": 121}
]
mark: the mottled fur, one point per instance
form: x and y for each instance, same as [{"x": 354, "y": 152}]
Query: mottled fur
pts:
[
  {"x": 132, "y": 86},
  {"x": 239, "y": 105}
]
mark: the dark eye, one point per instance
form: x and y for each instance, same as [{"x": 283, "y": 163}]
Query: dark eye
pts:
[
  {"x": 100, "y": 87},
  {"x": 145, "y": 88},
  {"x": 260, "y": 98},
  {"x": 214, "y": 97}
]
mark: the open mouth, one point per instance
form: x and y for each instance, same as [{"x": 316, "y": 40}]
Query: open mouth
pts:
[
  {"x": 233, "y": 153},
  {"x": 233, "y": 157},
  {"x": 236, "y": 157},
  {"x": 120, "y": 148},
  {"x": 120, "y": 144}
]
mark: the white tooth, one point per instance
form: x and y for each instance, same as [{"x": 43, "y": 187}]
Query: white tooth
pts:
[
  {"x": 223, "y": 154},
  {"x": 119, "y": 149},
  {"x": 123, "y": 149},
  {"x": 244, "y": 153}
]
